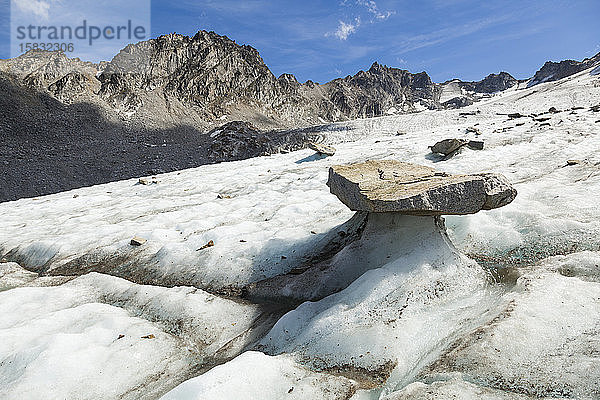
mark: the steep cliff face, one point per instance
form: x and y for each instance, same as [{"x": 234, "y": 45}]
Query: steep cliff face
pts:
[
  {"x": 217, "y": 77},
  {"x": 380, "y": 90},
  {"x": 492, "y": 83}
]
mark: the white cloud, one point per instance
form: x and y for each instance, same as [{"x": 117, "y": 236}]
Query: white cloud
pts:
[
  {"x": 373, "y": 10},
  {"x": 443, "y": 35},
  {"x": 385, "y": 15},
  {"x": 39, "y": 8},
  {"x": 346, "y": 29}
]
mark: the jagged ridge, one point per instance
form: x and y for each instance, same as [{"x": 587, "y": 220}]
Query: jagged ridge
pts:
[{"x": 176, "y": 79}]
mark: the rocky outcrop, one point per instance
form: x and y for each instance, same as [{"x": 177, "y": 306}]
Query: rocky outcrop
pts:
[
  {"x": 378, "y": 90},
  {"x": 409, "y": 189},
  {"x": 448, "y": 146},
  {"x": 553, "y": 71},
  {"x": 458, "y": 102},
  {"x": 238, "y": 140},
  {"x": 491, "y": 83},
  {"x": 322, "y": 149},
  {"x": 73, "y": 87},
  {"x": 457, "y": 93}
]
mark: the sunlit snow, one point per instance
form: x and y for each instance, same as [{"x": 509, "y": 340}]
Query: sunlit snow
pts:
[{"x": 522, "y": 321}]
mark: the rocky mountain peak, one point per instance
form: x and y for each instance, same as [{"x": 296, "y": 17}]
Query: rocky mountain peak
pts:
[
  {"x": 377, "y": 68},
  {"x": 208, "y": 79},
  {"x": 217, "y": 77},
  {"x": 495, "y": 83},
  {"x": 553, "y": 71},
  {"x": 203, "y": 72},
  {"x": 40, "y": 68},
  {"x": 288, "y": 80}
]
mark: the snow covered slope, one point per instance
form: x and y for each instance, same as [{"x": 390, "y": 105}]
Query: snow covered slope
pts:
[{"x": 521, "y": 323}]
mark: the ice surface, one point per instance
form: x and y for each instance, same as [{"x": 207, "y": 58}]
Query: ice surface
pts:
[
  {"x": 545, "y": 342},
  {"x": 454, "y": 388},
  {"x": 85, "y": 338},
  {"x": 423, "y": 297},
  {"x": 12, "y": 275},
  {"x": 414, "y": 316},
  {"x": 363, "y": 331},
  {"x": 255, "y": 376},
  {"x": 449, "y": 91},
  {"x": 183, "y": 213}
]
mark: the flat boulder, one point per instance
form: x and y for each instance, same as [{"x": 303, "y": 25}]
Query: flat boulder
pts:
[
  {"x": 475, "y": 144},
  {"x": 410, "y": 189},
  {"x": 137, "y": 241},
  {"x": 448, "y": 146},
  {"x": 322, "y": 148}
]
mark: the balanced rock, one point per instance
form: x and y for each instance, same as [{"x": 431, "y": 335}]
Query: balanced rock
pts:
[
  {"x": 410, "y": 189},
  {"x": 448, "y": 146},
  {"x": 397, "y": 223},
  {"x": 322, "y": 149}
]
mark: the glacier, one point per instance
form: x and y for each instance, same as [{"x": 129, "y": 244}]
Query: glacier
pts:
[{"x": 505, "y": 307}]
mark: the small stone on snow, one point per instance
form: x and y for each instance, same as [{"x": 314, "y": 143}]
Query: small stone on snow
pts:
[{"x": 137, "y": 241}]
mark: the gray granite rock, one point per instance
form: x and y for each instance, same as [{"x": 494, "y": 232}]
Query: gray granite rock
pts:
[
  {"x": 322, "y": 148},
  {"x": 137, "y": 241},
  {"x": 475, "y": 144},
  {"x": 472, "y": 129},
  {"x": 448, "y": 146},
  {"x": 394, "y": 186}
]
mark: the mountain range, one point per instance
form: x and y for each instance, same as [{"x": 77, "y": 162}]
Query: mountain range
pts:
[
  {"x": 206, "y": 79},
  {"x": 68, "y": 123}
]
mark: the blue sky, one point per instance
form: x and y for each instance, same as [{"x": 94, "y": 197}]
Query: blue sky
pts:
[
  {"x": 322, "y": 40},
  {"x": 87, "y": 18}
]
